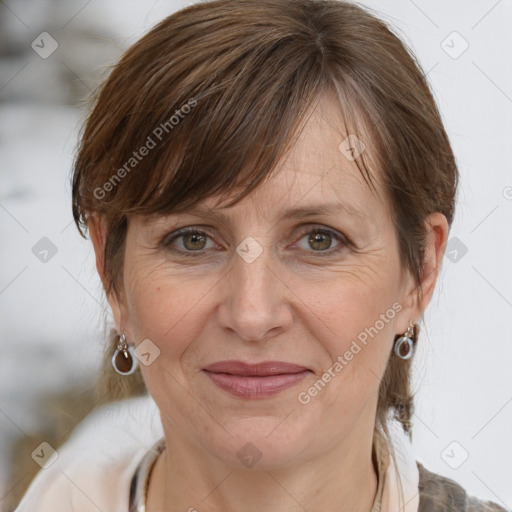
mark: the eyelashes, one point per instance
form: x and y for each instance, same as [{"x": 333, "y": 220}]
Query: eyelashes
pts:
[
  {"x": 201, "y": 236},
  {"x": 319, "y": 235},
  {"x": 187, "y": 232}
]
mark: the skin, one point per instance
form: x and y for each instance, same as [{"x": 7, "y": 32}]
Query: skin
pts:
[{"x": 290, "y": 304}]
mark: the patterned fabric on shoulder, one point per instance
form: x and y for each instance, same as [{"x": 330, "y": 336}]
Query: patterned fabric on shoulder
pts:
[{"x": 441, "y": 494}]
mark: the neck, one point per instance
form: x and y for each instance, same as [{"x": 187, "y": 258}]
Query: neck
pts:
[{"x": 342, "y": 480}]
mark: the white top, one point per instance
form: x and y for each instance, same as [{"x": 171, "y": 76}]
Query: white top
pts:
[
  {"x": 106, "y": 463},
  {"x": 94, "y": 468}
]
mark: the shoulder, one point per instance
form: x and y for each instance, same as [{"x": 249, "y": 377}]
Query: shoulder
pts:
[
  {"x": 86, "y": 484},
  {"x": 95, "y": 467},
  {"x": 441, "y": 494}
]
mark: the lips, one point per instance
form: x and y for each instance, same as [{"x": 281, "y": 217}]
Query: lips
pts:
[
  {"x": 253, "y": 381},
  {"x": 262, "y": 369}
]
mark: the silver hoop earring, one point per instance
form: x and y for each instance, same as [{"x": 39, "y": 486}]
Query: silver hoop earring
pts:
[
  {"x": 124, "y": 361},
  {"x": 404, "y": 346}
]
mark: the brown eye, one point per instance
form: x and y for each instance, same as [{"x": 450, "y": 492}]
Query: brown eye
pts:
[
  {"x": 194, "y": 241},
  {"x": 189, "y": 242},
  {"x": 320, "y": 241}
]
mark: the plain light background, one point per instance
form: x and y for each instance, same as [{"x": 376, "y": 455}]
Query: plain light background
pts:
[{"x": 51, "y": 312}]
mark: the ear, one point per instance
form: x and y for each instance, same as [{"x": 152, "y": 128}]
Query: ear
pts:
[
  {"x": 98, "y": 230},
  {"x": 415, "y": 303}
]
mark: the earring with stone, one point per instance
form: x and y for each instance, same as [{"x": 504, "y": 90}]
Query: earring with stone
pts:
[
  {"x": 124, "y": 361},
  {"x": 404, "y": 346}
]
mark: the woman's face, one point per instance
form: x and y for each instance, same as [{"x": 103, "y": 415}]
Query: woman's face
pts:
[{"x": 265, "y": 281}]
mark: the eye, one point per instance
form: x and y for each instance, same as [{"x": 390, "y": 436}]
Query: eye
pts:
[
  {"x": 191, "y": 240},
  {"x": 321, "y": 240}
]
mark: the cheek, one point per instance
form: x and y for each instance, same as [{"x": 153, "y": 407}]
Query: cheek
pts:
[
  {"x": 166, "y": 309},
  {"x": 354, "y": 322},
  {"x": 353, "y": 326}
]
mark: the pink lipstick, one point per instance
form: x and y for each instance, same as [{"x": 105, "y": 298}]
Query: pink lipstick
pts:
[{"x": 253, "y": 381}]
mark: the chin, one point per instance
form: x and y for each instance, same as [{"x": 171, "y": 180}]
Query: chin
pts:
[{"x": 258, "y": 443}]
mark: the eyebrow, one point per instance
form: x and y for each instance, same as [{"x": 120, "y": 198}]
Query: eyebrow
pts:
[
  {"x": 321, "y": 209},
  {"x": 292, "y": 213}
]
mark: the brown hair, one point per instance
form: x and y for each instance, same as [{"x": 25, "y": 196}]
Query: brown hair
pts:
[{"x": 216, "y": 93}]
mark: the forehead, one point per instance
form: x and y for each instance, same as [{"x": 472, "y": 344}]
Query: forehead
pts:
[
  {"x": 320, "y": 169},
  {"x": 318, "y": 174}
]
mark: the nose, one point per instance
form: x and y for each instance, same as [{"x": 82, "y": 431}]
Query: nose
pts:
[{"x": 255, "y": 299}]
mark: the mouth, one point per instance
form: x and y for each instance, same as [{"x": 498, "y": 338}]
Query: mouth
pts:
[{"x": 253, "y": 381}]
